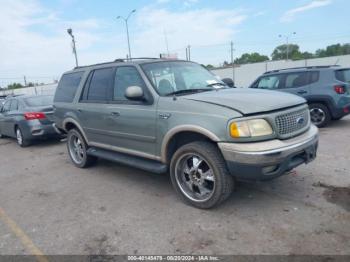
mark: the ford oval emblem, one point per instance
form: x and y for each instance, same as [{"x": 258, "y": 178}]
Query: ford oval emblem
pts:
[{"x": 300, "y": 120}]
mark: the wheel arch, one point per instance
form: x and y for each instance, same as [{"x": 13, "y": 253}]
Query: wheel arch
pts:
[
  {"x": 182, "y": 135},
  {"x": 70, "y": 123},
  {"x": 322, "y": 100}
]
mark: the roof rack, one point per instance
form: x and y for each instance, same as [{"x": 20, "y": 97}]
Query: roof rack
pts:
[
  {"x": 137, "y": 58},
  {"x": 301, "y": 67},
  {"x": 119, "y": 60}
]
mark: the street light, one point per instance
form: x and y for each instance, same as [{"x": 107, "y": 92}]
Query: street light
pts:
[
  {"x": 70, "y": 32},
  {"x": 287, "y": 41},
  {"x": 127, "y": 28}
]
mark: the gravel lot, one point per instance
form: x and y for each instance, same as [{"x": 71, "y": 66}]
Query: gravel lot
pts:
[{"x": 112, "y": 209}]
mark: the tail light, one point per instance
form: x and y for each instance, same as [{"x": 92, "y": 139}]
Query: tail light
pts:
[
  {"x": 34, "y": 115},
  {"x": 339, "y": 89}
]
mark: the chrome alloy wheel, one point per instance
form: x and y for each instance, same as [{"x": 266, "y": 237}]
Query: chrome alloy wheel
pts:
[
  {"x": 76, "y": 149},
  {"x": 195, "y": 177},
  {"x": 317, "y": 115}
]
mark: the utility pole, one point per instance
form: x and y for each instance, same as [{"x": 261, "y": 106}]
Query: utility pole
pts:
[
  {"x": 25, "y": 80},
  {"x": 233, "y": 66},
  {"x": 287, "y": 42},
  {"x": 70, "y": 32},
  {"x": 127, "y": 28},
  {"x": 189, "y": 52},
  {"x": 166, "y": 42}
]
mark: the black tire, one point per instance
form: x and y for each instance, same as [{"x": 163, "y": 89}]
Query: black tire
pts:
[
  {"x": 22, "y": 141},
  {"x": 223, "y": 184},
  {"x": 80, "y": 159},
  {"x": 337, "y": 118},
  {"x": 320, "y": 114}
]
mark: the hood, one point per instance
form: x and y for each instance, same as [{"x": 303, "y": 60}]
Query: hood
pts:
[{"x": 248, "y": 101}]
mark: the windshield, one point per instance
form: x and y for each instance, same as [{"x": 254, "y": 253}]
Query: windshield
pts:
[
  {"x": 179, "y": 77},
  {"x": 39, "y": 101},
  {"x": 343, "y": 75}
]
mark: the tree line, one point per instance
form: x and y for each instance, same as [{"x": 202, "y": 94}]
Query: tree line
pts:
[{"x": 294, "y": 53}]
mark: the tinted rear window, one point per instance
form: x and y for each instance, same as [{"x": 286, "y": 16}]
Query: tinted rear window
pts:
[
  {"x": 67, "y": 87},
  {"x": 343, "y": 75},
  {"x": 39, "y": 101},
  {"x": 100, "y": 84}
]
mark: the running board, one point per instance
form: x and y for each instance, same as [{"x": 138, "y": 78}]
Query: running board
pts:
[{"x": 125, "y": 159}]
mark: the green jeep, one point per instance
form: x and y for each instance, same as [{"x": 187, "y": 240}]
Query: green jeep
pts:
[{"x": 171, "y": 115}]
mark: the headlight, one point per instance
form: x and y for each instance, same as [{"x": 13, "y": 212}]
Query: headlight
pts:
[{"x": 250, "y": 128}]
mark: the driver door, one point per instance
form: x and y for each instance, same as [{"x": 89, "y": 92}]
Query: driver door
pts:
[{"x": 132, "y": 124}]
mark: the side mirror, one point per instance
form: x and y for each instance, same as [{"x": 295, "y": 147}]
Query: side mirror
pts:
[
  {"x": 229, "y": 82},
  {"x": 134, "y": 93}
]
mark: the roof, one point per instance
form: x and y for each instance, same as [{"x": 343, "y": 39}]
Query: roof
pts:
[{"x": 133, "y": 61}]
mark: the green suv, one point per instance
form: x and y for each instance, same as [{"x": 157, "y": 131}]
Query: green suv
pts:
[{"x": 171, "y": 115}]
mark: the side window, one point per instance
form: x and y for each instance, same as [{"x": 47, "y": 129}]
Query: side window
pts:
[
  {"x": 7, "y": 106},
  {"x": 126, "y": 76},
  {"x": 294, "y": 80},
  {"x": 100, "y": 85},
  {"x": 67, "y": 87},
  {"x": 343, "y": 75},
  {"x": 269, "y": 82},
  {"x": 14, "y": 105},
  {"x": 314, "y": 77}
]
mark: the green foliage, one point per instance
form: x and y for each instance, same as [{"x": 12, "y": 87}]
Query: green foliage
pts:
[
  {"x": 334, "y": 50},
  {"x": 14, "y": 86},
  {"x": 251, "y": 58},
  {"x": 280, "y": 52},
  {"x": 294, "y": 52}
]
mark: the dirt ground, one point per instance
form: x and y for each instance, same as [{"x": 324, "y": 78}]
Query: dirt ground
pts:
[{"x": 47, "y": 205}]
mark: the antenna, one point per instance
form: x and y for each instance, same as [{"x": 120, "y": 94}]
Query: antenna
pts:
[{"x": 336, "y": 62}]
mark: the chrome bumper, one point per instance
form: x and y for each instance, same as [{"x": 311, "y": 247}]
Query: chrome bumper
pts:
[{"x": 268, "y": 152}]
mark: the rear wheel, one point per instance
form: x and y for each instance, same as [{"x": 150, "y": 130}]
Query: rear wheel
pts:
[
  {"x": 21, "y": 140},
  {"x": 77, "y": 149},
  {"x": 199, "y": 175},
  {"x": 320, "y": 115}
]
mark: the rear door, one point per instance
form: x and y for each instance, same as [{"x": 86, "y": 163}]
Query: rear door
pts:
[
  {"x": 10, "y": 119},
  {"x": 297, "y": 83},
  {"x": 3, "y": 118},
  {"x": 92, "y": 110}
]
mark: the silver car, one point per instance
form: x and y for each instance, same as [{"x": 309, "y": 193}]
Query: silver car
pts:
[{"x": 27, "y": 118}]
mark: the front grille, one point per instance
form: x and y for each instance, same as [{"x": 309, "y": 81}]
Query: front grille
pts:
[{"x": 292, "y": 123}]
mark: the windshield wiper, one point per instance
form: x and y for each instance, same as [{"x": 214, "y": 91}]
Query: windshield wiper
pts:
[
  {"x": 216, "y": 84},
  {"x": 189, "y": 91}
]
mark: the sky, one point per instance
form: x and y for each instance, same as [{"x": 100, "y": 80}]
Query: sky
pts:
[{"x": 34, "y": 41}]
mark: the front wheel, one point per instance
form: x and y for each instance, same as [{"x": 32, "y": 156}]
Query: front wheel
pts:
[
  {"x": 77, "y": 149},
  {"x": 199, "y": 175},
  {"x": 320, "y": 115}
]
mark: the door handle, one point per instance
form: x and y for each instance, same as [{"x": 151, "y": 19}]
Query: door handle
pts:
[
  {"x": 301, "y": 92},
  {"x": 79, "y": 110},
  {"x": 115, "y": 114}
]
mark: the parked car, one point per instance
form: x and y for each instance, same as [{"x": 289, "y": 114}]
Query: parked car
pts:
[
  {"x": 27, "y": 118},
  {"x": 326, "y": 89},
  {"x": 161, "y": 115}
]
